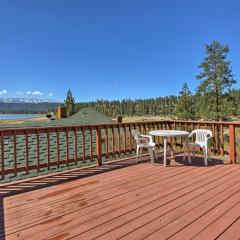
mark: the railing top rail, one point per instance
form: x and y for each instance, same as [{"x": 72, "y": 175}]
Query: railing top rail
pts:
[
  {"x": 206, "y": 122},
  {"x": 78, "y": 126},
  {"x": 54, "y": 128}
]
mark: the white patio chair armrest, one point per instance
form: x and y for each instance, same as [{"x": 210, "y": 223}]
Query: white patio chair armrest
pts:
[
  {"x": 142, "y": 139},
  {"x": 150, "y": 139},
  {"x": 145, "y": 136},
  {"x": 190, "y": 134}
]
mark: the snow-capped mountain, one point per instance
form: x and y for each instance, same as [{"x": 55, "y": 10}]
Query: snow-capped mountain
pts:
[{"x": 27, "y": 100}]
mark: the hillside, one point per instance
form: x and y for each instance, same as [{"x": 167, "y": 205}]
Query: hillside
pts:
[{"x": 42, "y": 107}]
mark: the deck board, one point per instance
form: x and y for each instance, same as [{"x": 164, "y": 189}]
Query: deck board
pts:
[
  {"x": 233, "y": 231},
  {"x": 129, "y": 201}
]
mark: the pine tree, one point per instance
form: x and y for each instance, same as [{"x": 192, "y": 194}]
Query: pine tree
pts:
[
  {"x": 216, "y": 81},
  {"x": 70, "y": 104},
  {"x": 185, "y": 107}
]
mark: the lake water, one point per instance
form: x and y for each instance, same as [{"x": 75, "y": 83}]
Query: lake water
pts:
[{"x": 17, "y": 116}]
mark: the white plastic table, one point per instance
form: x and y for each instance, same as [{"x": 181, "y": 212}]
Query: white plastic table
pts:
[{"x": 171, "y": 133}]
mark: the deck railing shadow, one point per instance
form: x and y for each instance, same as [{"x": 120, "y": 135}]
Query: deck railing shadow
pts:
[
  {"x": 72, "y": 175},
  {"x": 62, "y": 177}
]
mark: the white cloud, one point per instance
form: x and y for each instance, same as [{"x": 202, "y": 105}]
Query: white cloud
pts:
[
  {"x": 19, "y": 93},
  {"x": 50, "y": 94},
  {"x": 4, "y": 91},
  {"x": 36, "y": 92}
]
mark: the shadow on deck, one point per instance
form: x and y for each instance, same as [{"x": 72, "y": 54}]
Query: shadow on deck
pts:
[{"x": 32, "y": 184}]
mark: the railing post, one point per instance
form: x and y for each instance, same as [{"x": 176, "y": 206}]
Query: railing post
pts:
[
  {"x": 232, "y": 144},
  {"x": 99, "y": 145}
]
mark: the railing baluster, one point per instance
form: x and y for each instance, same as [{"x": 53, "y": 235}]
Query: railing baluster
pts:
[
  {"x": 99, "y": 145},
  {"x": 75, "y": 146},
  {"x": 37, "y": 150},
  {"x": 139, "y": 126},
  {"x": 27, "y": 152},
  {"x": 144, "y": 128},
  {"x": 48, "y": 149},
  {"x": 15, "y": 152},
  {"x": 119, "y": 141},
  {"x": 125, "y": 140},
  {"x": 67, "y": 147},
  {"x": 192, "y": 130},
  {"x": 83, "y": 144},
  {"x": 130, "y": 138},
  {"x": 2, "y": 154},
  {"x": 106, "y": 142},
  {"x": 113, "y": 141},
  {"x": 90, "y": 149},
  {"x": 58, "y": 149},
  {"x": 158, "y": 141},
  {"x": 175, "y": 139}
]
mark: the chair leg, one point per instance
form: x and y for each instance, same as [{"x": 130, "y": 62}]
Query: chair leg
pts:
[
  {"x": 140, "y": 151},
  {"x": 184, "y": 153},
  {"x": 137, "y": 152},
  {"x": 205, "y": 161},
  {"x": 208, "y": 155},
  {"x": 155, "y": 154},
  {"x": 205, "y": 156},
  {"x": 194, "y": 152}
]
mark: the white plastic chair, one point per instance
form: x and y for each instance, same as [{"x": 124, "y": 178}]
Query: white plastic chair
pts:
[
  {"x": 201, "y": 140},
  {"x": 144, "y": 141}
]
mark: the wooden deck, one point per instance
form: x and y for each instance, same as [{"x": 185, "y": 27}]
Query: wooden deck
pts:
[{"x": 126, "y": 201}]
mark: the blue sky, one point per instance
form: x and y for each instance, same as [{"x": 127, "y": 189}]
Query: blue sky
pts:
[{"x": 110, "y": 49}]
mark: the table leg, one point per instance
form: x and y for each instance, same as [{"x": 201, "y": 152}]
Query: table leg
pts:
[
  {"x": 151, "y": 154},
  {"x": 189, "y": 155},
  {"x": 172, "y": 150},
  {"x": 164, "y": 151},
  {"x": 188, "y": 150}
]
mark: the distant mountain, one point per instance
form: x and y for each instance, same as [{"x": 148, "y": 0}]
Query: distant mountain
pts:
[
  {"x": 27, "y": 100},
  {"x": 26, "y": 105}
]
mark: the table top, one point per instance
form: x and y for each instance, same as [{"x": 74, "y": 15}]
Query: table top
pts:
[{"x": 168, "y": 133}]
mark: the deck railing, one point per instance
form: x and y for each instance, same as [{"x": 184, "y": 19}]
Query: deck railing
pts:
[{"x": 33, "y": 151}]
